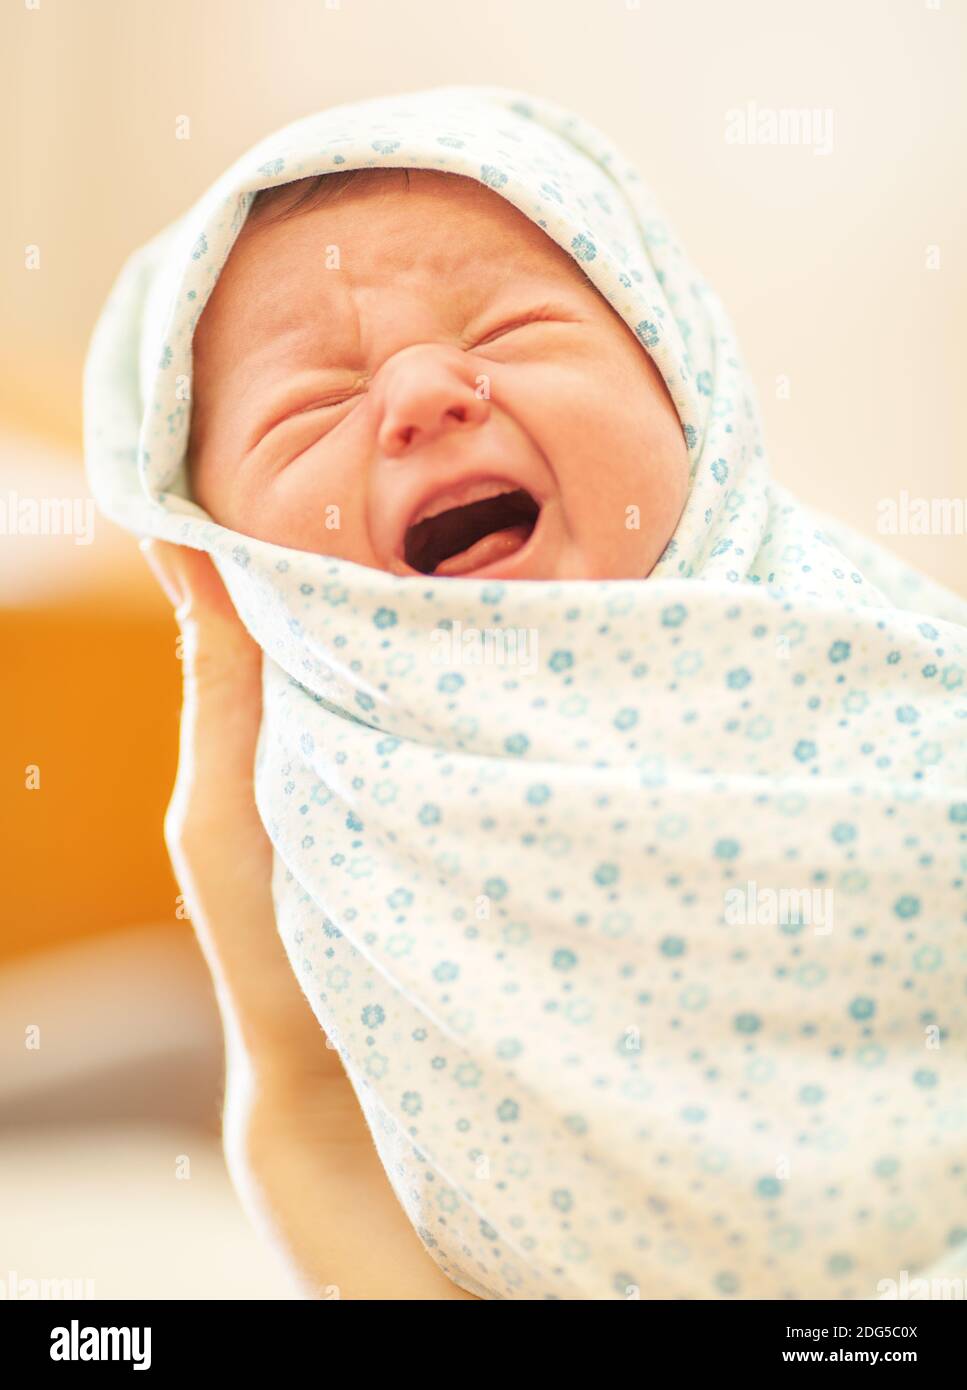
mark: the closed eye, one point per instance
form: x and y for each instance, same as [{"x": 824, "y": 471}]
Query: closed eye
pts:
[
  {"x": 513, "y": 325},
  {"x": 323, "y": 403}
]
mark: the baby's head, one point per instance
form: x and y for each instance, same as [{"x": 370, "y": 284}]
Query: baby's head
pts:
[{"x": 400, "y": 369}]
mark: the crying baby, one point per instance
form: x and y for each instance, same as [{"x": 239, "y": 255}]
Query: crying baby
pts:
[
  {"x": 398, "y": 368},
  {"x": 451, "y": 335}
]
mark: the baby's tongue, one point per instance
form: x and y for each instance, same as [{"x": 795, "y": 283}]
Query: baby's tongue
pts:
[{"x": 487, "y": 551}]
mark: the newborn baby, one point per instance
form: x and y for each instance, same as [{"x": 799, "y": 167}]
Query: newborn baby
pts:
[
  {"x": 641, "y": 955},
  {"x": 400, "y": 369}
]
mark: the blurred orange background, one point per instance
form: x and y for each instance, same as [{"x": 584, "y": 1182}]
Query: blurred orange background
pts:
[
  {"x": 845, "y": 277},
  {"x": 90, "y": 701}
]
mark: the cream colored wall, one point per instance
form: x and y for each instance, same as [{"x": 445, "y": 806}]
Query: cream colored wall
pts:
[{"x": 821, "y": 259}]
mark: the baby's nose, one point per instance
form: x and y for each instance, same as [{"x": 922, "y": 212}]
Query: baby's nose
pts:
[{"x": 427, "y": 393}]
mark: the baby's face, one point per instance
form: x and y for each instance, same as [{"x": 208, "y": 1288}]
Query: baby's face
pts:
[{"x": 417, "y": 379}]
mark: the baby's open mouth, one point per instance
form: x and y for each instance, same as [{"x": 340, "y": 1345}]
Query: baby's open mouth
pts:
[{"x": 460, "y": 540}]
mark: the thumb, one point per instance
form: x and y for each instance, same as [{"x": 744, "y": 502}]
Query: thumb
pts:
[
  {"x": 216, "y": 648},
  {"x": 221, "y": 711},
  {"x": 190, "y": 580}
]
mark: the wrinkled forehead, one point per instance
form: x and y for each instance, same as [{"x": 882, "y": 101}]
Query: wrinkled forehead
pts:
[
  {"x": 384, "y": 221},
  {"x": 416, "y": 231}
]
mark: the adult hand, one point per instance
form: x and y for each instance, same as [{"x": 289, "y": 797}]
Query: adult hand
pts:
[{"x": 297, "y": 1144}]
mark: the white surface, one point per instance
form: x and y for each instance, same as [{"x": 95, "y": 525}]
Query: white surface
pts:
[
  {"x": 132, "y": 998},
  {"x": 131, "y": 1051},
  {"x": 104, "y": 1203}
]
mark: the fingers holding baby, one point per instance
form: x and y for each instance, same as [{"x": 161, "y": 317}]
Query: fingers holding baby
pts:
[{"x": 220, "y": 852}]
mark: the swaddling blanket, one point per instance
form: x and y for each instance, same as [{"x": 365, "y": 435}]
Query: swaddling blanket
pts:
[{"x": 634, "y": 909}]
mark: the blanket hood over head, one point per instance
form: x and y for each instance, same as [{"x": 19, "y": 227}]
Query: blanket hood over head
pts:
[{"x": 635, "y": 909}]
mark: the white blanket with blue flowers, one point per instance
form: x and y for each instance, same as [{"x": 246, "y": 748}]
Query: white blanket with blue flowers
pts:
[{"x": 636, "y": 910}]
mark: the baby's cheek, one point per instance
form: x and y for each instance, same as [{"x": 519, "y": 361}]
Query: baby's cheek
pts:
[
  {"x": 626, "y": 476},
  {"x": 310, "y": 505}
]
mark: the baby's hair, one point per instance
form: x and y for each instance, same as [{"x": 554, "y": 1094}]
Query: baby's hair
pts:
[{"x": 302, "y": 195}]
